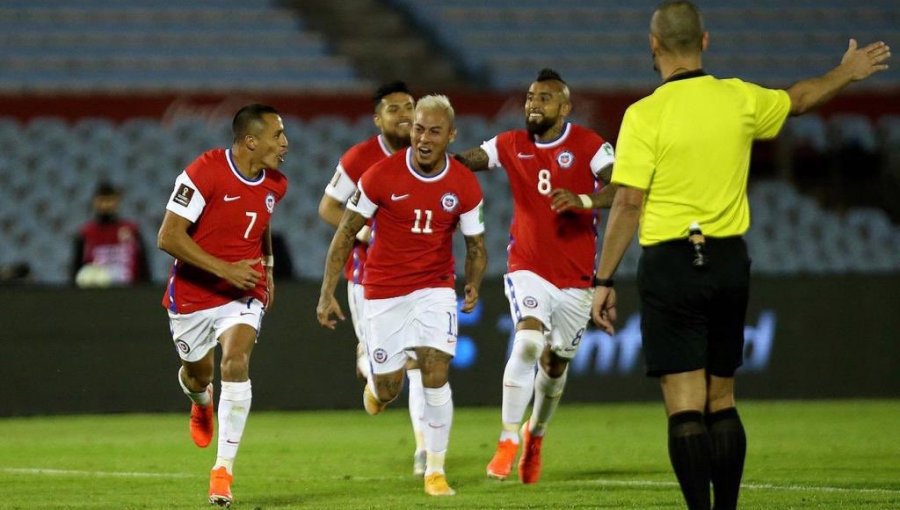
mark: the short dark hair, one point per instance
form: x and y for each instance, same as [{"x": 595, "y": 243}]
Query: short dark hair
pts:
[
  {"x": 547, "y": 74},
  {"x": 678, "y": 25},
  {"x": 248, "y": 118},
  {"x": 388, "y": 89},
  {"x": 106, "y": 189}
]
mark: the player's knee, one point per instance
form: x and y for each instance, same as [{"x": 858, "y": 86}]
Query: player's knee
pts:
[
  {"x": 235, "y": 366},
  {"x": 553, "y": 365},
  {"x": 388, "y": 386},
  {"x": 528, "y": 345}
]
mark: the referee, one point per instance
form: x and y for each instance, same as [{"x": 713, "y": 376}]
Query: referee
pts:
[{"x": 683, "y": 158}]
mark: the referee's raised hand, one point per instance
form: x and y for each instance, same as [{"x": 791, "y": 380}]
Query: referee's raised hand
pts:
[{"x": 863, "y": 62}]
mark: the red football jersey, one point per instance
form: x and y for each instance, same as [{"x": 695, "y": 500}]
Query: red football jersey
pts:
[
  {"x": 350, "y": 169},
  {"x": 560, "y": 247},
  {"x": 229, "y": 214},
  {"x": 415, "y": 217}
]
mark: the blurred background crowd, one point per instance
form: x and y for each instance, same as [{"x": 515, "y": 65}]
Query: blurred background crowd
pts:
[{"x": 119, "y": 96}]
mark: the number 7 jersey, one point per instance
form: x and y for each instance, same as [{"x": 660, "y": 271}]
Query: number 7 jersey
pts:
[
  {"x": 559, "y": 247},
  {"x": 229, "y": 213}
]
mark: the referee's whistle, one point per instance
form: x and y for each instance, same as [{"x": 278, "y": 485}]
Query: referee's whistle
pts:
[{"x": 698, "y": 241}]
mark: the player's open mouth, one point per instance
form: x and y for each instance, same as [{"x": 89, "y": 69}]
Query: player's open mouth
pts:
[
  {"x": 535, "y": 116},
  {"x": 424, "y": 151},
  {"x": 281, "y": 157}
]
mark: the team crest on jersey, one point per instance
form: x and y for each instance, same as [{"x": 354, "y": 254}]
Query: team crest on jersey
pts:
[
  {"x": 530, "y": 302},
  {"x": 270, "y": 202},
  {"x": 379, "y": 355},
  {"x": 449, "y": 202},
  {"x": 565, "y": 159}
]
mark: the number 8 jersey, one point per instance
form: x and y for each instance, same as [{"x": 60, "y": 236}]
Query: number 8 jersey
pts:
[
  {"x": 229, "y": 213},
  {"x": 561, "y": 248},
  {"x": 414, "y": 219}
]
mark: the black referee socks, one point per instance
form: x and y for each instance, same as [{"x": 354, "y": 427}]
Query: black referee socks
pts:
[
  {"x": 729, "y": 447},
  {"x": 690, "y": 453}
]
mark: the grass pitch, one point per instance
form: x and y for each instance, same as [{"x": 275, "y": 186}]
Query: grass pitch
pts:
[{"x": 801, "y": 455}]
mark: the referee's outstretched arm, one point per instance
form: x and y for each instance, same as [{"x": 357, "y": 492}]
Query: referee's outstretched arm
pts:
[{"x": 857, "y": 64}]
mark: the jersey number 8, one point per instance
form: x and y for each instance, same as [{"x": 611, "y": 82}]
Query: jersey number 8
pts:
[{"x": 543, "y": 185}]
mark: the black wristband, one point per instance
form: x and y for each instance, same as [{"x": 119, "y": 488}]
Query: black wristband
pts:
[{"x": 603, "y": 282}]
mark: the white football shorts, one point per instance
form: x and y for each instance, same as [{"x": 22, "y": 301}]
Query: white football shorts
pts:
[
  {"x": 355, "y": 302},
  {"x": 196, "y": 333},
  {"x": 564, "y": 312},
  {"x": 394, "y": 326}
]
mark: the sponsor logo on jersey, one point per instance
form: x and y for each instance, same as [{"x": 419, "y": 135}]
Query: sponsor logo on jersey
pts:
[
  {"x": 449, "y": 202},
  {"x": 184, "y": 195},
  {"x": 522, "y": 155},
  {"x": 565, "y": 159},
  {"x": 530, "y": 302},
  {"x": 399, "y": 197},
  {"x": 379, "y": 355},
  {"x": 231, "y": 199},
  {"x": 183, "y": 346},
  {"x": 270, "y": 202}
]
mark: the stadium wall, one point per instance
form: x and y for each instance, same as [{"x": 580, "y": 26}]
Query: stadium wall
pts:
[
  {"x": 602, "y": 111},
  {"x": 68, "y": 351}
]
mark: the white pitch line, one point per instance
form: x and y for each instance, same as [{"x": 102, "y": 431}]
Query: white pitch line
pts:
[
  {"x": 76, "y": 472},
  {"x": 602, "y": 482},
  {"x": 751, "y": 486}
]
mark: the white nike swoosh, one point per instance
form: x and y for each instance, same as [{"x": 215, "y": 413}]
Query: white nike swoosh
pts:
[
  {"x": 524, "y": 156},
  {"x": 231, "y": 199},
  {"x": 399, "y": 197}
]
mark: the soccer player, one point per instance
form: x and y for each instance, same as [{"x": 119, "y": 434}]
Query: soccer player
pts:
[
  {"x": 393, "y": 116},
  {"x": 684, "y": 156},
  {"x": 217, "y": 228},
  {"x": 554, "y": 168},
  {"x": 417, "y": 198}
]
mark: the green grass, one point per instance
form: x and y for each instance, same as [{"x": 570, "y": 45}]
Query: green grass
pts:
[{"x": 801, "y": 455}]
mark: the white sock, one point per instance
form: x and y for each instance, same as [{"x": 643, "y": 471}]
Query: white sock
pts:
[
  {"x": 234, "y": 406},
  {"x": 416, "y": 406},
  {"x": 438, "y": 419},
  {"x": 547, "y": 392},
  {"x": 362, "y": 360},
  {"x": 201, "y": 399},
  {"x": 518, "y": 380}
]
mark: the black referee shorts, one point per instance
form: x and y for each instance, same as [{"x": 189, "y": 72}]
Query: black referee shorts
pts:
[{"x": 694, "y": 318}]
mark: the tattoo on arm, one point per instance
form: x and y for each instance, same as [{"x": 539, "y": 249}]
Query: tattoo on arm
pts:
[
  {"x": 340, "y": 247},
  {"x": 476, "y": 259},
  {"x": 476, "y": 159}
]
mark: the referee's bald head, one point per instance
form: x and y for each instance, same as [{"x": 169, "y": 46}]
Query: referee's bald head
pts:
[{"x": 678, "y": 26}]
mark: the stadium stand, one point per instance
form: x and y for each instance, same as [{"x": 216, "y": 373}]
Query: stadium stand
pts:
[
  {"x": 791, "y": 232},
  {"x": 152, "y": 45},
  {"x": 603, "y": 43}
]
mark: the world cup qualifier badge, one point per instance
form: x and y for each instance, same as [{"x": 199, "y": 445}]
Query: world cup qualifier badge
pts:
[
  {"x": 270, "y": 202},
  {"x": 565, "y": 159},
  {"x": 449, "y": 202}
]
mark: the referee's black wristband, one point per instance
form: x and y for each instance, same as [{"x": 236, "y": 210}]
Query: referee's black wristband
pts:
[{"x": 603, "y": 282}]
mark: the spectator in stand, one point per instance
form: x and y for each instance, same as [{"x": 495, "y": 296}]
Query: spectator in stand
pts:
[{"x": 108, "y": 250}]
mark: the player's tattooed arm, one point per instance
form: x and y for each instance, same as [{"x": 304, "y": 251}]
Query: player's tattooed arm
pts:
[
  {"x": 476, "y": 263},
  {"x": 476, "y": 159},
  {"x": 338, "y": 251}
]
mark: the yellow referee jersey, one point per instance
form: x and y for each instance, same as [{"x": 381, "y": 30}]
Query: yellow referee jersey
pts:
[{"x": 687, "y": 146}]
